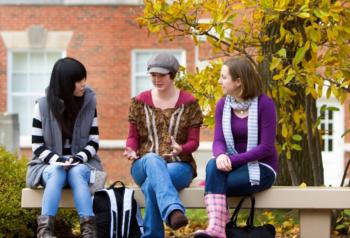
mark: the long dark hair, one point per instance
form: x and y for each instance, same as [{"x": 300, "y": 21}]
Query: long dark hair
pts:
[{"x": 65, "y": 73}]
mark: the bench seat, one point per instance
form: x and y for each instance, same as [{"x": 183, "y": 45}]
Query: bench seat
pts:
[{"x": 315, "y": 204}]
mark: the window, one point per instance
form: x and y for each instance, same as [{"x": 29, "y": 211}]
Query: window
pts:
[
  {"x": 140, "y": 78},
  {"x": 326, "y": 125},
  {"x": 29, "y": 75}
]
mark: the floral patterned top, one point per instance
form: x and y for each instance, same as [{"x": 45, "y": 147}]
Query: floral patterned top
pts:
[{"x": 155, "y": 126}]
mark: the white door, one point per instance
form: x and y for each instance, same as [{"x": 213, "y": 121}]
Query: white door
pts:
[{"x": 332, "y": 126}]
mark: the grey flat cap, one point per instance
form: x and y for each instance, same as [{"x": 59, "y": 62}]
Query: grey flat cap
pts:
[{"x": 163, "y": 63}]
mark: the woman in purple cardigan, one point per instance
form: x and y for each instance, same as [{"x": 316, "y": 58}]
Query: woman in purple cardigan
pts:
[{"x": 245, "y": 157}]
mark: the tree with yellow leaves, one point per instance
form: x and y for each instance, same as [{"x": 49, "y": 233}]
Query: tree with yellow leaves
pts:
[{"x": 300, "y": 48}]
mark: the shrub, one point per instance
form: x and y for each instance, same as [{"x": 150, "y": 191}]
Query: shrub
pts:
[
  {"x": 14, "y": 221},
  {"x": 18, "y": 222},
  {"x": 343, "y": 223}
]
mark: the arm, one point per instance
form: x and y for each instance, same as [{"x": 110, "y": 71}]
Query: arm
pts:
[
  {"x": 38, "y": 146},
  {"x": 267, "y": 135},
  {"x": 219, "y": 143},
  {"x": 192, "y": 142},
  {"x": 133, "y": 137},
  {"x": 92, "y": 146},
  {"x": 132, "y": 144},
  {"x": 195, "y": 121}
]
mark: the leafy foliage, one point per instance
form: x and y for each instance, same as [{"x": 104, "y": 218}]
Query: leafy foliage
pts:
[
  {"x": 18, "y": 222},
  {"x": 206, "y": 98},
  {"x": 300, "y": 48},
  {"x": 14, "y": 220},
  {"x": 343, "y": 223}
]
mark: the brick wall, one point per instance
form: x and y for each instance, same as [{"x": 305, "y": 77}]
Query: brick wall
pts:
[{"x": 103, "y": 39}]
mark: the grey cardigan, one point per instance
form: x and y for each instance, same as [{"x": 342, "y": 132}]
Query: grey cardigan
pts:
[{"x": 53, "y": 136}]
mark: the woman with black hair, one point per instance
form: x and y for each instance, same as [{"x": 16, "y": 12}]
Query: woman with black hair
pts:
[{"x": 65, "y": 141}]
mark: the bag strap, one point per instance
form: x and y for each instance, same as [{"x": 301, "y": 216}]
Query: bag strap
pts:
[
  {"x": 114, "y": 210},
  {"x": 127, "y": 211},
  {"x": 250, "y": 219},
  {"x": 236, "y": 211},
  {"x": 115, "y": 183},
  {"x": 139, "y": 218}
]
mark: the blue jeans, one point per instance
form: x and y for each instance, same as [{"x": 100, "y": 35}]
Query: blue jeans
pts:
[
  {"x": 55, "y": 178},
  {"x": 159, "y": 182},
  {"x": 235, "y": 182}
]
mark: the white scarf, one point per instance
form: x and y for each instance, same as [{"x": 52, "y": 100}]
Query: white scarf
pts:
[{"x": 252, "y": 106}]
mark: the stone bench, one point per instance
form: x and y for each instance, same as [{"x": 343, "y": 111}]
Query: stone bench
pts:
[{"x": 315, "y": 204}]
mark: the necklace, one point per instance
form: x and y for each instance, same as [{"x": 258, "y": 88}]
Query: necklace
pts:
[{"x": 241, "y": 112}]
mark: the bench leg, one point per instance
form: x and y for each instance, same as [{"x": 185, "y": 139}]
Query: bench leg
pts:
[{"x": 315, "y": 223}]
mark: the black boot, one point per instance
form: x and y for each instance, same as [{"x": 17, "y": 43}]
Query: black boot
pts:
[
  {"x": 88, "y": 227},
  {"x": 45, "y": 227}
]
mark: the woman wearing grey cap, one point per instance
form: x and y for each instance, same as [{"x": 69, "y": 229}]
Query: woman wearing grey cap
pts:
[{"x": 164, "y": 125}]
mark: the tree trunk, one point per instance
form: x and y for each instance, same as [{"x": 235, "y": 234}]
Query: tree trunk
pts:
[{"x": 305, "y": 165}]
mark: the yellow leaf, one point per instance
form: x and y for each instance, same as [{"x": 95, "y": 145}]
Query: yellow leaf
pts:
[
  {"x": 304, "y": 15},
  {"x": 299, "y": 56},
  {"x": 277, "y": 76},
  {"x": 296, "y": 147},
  {"x": 284, "y": 131},
  {"x": 296, "y": 117},
  {"x": 303, "y": 185},
  {"x": 267, "y": 4},
  {"x": 282, "y": 52},
  {"x": 275, "y": 62},
  {"x": 288, "y": 154}
]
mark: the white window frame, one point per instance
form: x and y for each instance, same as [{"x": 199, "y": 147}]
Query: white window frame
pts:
[
  {"x": 333, "y": 161},
  {"x": 133, "y": 60},
  {"x": 25, "y": 140}
]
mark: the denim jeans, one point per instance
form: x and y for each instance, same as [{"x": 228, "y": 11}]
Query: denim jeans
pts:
[
  {"x": 235, "y": 182},
  {"x": 55, "y": 178},
  {"x": 159, "y": 182}
]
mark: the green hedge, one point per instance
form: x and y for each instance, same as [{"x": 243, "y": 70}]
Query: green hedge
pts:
[
  {"x": 18, "y": 222},
  {"x": 14, "y": 221}
]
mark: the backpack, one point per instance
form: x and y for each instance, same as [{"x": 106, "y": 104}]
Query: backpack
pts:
[{"x": 117, "y": 213}]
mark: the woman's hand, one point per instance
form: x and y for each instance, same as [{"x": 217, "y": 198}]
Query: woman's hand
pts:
[
  {"x": 177, "y": 149},
  {"x": 130, "y": 154},
  {"x": 76, "y": 159},
  {"x": 223, "y": 163}
]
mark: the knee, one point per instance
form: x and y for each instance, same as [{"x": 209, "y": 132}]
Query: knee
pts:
[
  {"x": 211, "y": 166},
  {"x": 79, "y": 171},
  {"x": 56, "y": 172}
]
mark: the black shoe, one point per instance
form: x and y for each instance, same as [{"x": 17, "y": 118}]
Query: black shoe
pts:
[
  {"x": 201, "y": 234},
  {"x": 177, "y": 220}
]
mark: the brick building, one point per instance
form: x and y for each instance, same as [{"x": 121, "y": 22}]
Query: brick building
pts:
[{"x": 104, "y": 35}]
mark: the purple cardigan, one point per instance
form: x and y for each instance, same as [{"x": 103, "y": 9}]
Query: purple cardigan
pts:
[{"x": 265, "y": 151}]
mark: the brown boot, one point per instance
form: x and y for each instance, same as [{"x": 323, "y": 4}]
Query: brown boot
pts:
[
  {"x": 88, "y": 227},
  {"x": 45, "y": 227}
]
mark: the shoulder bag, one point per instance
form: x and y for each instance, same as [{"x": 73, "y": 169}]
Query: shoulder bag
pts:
[{"x": 249, "y": 230}]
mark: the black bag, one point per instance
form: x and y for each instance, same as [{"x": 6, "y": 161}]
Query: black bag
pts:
[
  {"x": 249, "y": 230},
  {"x": 117, "y": 213}
]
